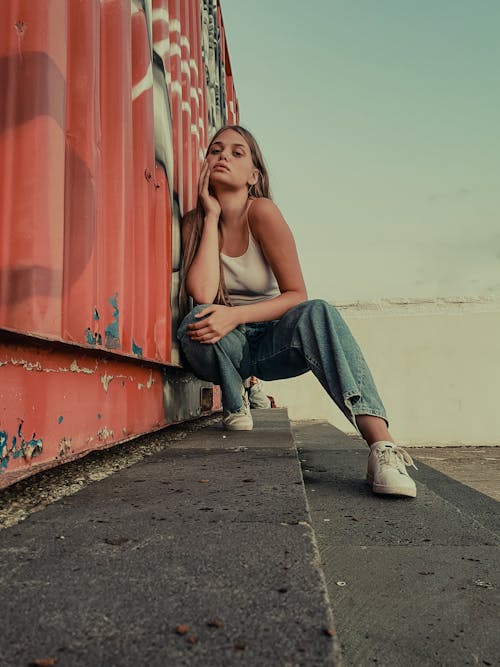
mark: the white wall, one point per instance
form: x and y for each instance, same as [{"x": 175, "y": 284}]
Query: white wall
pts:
[{"x": 436, "y": 364}]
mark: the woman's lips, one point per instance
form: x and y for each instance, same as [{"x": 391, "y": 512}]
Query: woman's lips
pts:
[{"x": 220, "y": 166}]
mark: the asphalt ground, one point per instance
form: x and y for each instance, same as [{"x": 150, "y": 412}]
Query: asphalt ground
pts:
[
  {"x": 224, "y": 548},
  {"x": 411, "y": 581},
  {"x": 200, "y": 554}
]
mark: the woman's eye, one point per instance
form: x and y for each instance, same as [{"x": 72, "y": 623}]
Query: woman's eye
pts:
[{"x": 238, "y": 154}]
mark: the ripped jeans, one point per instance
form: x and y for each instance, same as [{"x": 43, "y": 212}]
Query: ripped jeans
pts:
[{"x": 312, "y": 336}]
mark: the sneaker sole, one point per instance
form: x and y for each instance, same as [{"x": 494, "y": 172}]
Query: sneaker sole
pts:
[{"x": 392, "y": 490}]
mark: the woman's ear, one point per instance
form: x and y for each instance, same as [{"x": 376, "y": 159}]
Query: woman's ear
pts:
[{"x": 254, "y": 179}]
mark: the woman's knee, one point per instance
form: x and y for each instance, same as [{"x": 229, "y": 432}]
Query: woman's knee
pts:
[
  {"x": 201, "y": 358},
  {"x": 189, "y": 319},
  {"x": 314, "y": 308},
  {"x": 319, "y": 305}
]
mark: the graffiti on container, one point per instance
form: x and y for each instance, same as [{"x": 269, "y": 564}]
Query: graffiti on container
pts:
[
  {"x": 19, "y": 446},
  {"x": 111, "y": 333}
]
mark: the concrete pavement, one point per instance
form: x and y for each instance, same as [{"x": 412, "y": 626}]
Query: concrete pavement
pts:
[
  {"x": 244, "y": 543},
  {"x": 411, "y": 581},
  {"x": 212, "y": 535}
]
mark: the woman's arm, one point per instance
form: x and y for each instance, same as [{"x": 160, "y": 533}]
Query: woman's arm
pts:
[
  {"x": 202, "y": 280},
  {"x": 276, "y": 240}
]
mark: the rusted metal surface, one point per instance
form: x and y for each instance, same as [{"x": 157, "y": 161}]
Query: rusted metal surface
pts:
[
  {"x": 60, "y": 402},
  {"x": 88, "y": 203},
  {"x": 107, "y": 109}
]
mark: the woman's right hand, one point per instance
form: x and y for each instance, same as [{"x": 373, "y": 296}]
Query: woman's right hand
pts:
[{"x": 210, "y": 203}]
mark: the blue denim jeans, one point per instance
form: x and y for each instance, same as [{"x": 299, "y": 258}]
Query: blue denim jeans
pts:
[{"x": 309, "y": 337}]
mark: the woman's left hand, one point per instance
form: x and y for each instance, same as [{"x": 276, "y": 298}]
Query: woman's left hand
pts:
[{"x": 218, "y": 321}]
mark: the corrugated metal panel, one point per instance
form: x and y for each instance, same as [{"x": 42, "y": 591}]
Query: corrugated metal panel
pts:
[
  {"x": 78, "y": 142},
  {"x": 107, "y": 109},
  {"x": 33, "y": 37}
]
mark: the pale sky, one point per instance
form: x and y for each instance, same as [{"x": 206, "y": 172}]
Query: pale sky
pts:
[{"x": 379, "y": 121}]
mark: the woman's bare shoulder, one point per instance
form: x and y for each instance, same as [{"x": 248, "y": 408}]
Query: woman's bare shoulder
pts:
[
  {"x": 263, "y": 214},
  {"x": 262, "y": 206},
  {"x": 263, "y": 210}
]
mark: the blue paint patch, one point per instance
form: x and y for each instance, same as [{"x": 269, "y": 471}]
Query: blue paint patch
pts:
[
  {"x": 89, "y": 337},
  {"x": 19, "y": 447},
  {"x": 59, "y": 421},
  {"x": 96, "y": 314},
  {"x": 136, "y": 349},
  {"x": 4, "y": 449},
  {"x": 112, "y": 332}
]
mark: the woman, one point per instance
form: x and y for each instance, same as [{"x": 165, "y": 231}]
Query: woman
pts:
[{"x": 253, "y": 318}]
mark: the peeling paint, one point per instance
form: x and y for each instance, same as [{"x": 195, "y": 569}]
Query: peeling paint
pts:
[
  {"x": 65, "y": 446},
  {"x": 20, "y": 27},
  {"x": 89, "y": 337},
  {"x": 104, "y": 433},
  {"x": 106, "y": 379},
  {"x": 93, "y": 339},
  {"x": 60, "y": 419},
  {"x": 96, "y": 314},
  {"x": 19, "y": 446},
  {"x": 75, "y": 368},
  {"x": 148, "y": 384},
  {"x": 27, "y": 365},
  {"x": 37, "y": 366},
  {"x": 112, "y": 333},
  {"x": 136, "y": 349},
  {"x": 4, "y": 440}
]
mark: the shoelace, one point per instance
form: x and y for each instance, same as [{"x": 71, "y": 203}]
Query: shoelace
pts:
[{"x": 401, "y": 455}]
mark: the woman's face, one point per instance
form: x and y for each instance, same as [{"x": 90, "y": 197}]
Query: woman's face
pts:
[{"x": 230, "y": 161}]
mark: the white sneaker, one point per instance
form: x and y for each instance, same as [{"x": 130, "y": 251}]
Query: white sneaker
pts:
[
  {"x": 241, "y": 420},
  {"x": 387, "y": 470},
  {"x": 257, "y": 396}
]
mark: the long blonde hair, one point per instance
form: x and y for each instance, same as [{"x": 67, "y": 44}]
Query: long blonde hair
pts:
[{"x": 195, "y": 219}]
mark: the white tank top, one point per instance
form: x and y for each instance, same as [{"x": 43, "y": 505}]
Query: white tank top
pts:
[{"x": 249, "y": 278}]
